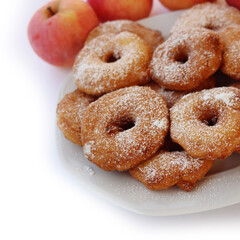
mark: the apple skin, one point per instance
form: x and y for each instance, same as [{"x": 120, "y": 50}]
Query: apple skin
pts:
[
  {"x": 234, "y": 3},
  {"x": 182, "y": 4},
  {"x": 58, "y": 30},
  {"x": 108, "y": 10}
]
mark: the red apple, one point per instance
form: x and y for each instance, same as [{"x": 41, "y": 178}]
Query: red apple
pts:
[
  {"x": 58, "y": 30},
  {"x": 121, "y": 9},
  {"x": 234, "y": 3},
  {"x": 182, "y": 4}
]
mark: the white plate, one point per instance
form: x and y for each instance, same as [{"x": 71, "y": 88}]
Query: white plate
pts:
[{"x": 220, "y": 188}]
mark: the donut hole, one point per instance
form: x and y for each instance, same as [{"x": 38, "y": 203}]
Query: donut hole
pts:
[
  {"x": 121, "y": 125},
  {"x": 112, "y": 57},
  {"x": 211, "y": 27},
  {"x": 181, "y": 57},
  {"x": 210, "y": 119},
  {"x": 126, "y": 125}
]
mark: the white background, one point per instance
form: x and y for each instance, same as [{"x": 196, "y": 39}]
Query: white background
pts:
[{"x": 39, "y": 198}]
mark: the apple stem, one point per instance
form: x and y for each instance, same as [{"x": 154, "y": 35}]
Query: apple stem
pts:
[{"x": 51, "y": 11}]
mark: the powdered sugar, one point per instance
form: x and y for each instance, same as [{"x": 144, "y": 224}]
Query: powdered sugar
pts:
[
  {"x": 70, "y": 112},
  {"x": 209, "y": 15},
  {"x": 190, "y": 114},
  {"x": 94, "y": 75},
  {"x": 169, "y": 168},
  {"x": 161, "y": 124},
  {"x": 88, "y": 148},
  {"x": 152, "y": 37},
  {"x": 166, "y": 164},
  {"x": 89, "y": 170},
  {"x": 180, "y": 62},
  {"x": 231, "y": 53},
  {"x": 225, "y": 97},
  {"x": 86, "y": 169},
  {"x": 116, "y": 147}
]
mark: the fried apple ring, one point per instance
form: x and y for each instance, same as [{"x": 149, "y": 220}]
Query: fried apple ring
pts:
[
  {"x": 230, "y": 38},
  {"x": 171, "y": 97},
  {"x": 111, "y": 62},
  {"x": 152, "y": 37},
  {"x": 207, "y": 123},
  {"x": 186, "y": 59},
  {"x": 125, "y": 127},
  {"x": 209, "y": 16},
  {"x": 70, "y": 111},
  {"x": 167, "y": 169}
]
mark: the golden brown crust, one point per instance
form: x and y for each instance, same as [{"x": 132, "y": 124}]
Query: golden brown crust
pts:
[
  {"x": 180, "y": 62},
  {"x": 124, "y": 127},
  {"x": 207, "y": 123},
  {"x": 224, "y": 20},
  {"x": 152, "y": 37},
  {"x": 171, "y": 97},
  {"x": 230, "y": 38},
  {"x": 208, "y": 84},
  {"x": 95, "y": 74},
  {"x": 167, "y": 169},
  {"x": 70, "y": 111},
  {"x": 207, "y": 15}
]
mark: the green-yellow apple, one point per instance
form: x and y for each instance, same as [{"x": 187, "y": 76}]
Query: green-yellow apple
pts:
[
  {"x": 121, "y": 9},
  {"x": 58, "y": 30},
  {"x": 182, "y": 4}
]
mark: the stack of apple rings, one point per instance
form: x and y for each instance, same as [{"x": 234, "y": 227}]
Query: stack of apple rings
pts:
[{"x": 162, "y": 110}]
